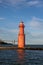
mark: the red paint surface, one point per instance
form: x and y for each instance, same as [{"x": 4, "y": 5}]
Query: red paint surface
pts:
[{"x": 21, "y": 36}]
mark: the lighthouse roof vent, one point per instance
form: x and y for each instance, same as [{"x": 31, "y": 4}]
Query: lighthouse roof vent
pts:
[{"x": 21, "y": 24}]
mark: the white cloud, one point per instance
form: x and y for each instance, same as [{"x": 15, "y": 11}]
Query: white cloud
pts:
[
  {"x": 13, "y": 30},
  {"x": 30, "y": 3},
  {"x": 35, "y": 3},
  {"x": 1, "y": 30},
  {"x": 36, "y": 41},
  {"x": 8, "y": 34},
  {"x": 35, "y": 27},
  {"x": 36, "y": 23},
  {"x": 0, "y": 1},
  {"x": 5, "y": 30},
  {"x": 34, "y": 37},
  {"x": 37, "y": 34},
  {"x": 21, "y": 3},
  {"x": 16, "y": 1},
  {"x": 1, "y": 18},
  {"x": 11, "y": 2},
  {"x": 38, "y": 19}
]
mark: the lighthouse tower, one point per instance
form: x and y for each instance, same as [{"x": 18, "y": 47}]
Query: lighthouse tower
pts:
[{"x": 21, "y": 36}]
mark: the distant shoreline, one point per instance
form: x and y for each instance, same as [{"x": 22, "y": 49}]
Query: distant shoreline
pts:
[
  {"x": 5, "y": 46},
  {"x": 14, "y": 48}
]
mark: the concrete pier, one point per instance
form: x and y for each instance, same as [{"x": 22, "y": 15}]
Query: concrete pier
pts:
[{"x": 15, "y": 48}]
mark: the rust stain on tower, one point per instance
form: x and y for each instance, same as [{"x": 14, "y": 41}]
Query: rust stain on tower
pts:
[{"x": 21, "y": 36}]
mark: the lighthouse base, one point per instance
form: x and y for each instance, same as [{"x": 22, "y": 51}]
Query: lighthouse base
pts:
[{"x": 21, "y": 41}]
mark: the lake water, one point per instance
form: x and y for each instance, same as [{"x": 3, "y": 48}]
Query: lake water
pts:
[{"x": 21, "y": 57}]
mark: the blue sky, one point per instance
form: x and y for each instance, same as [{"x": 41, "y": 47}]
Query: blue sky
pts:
[{"x": 30, "y": 12}]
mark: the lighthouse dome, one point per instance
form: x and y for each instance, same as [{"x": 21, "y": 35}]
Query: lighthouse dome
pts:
[{"x": 21, "y": 24}]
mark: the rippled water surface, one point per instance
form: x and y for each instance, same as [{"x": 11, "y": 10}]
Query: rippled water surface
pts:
[{"x": 21, "y": 57}]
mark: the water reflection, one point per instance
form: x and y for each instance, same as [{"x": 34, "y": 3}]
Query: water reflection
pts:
[{"x": 20, "y": 56}]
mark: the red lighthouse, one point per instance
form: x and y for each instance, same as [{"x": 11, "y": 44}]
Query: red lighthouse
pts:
[{"x": 21, "y": 36}]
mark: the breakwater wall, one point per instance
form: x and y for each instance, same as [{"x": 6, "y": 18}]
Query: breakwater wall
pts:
[{"x": 13, "y": 48}]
